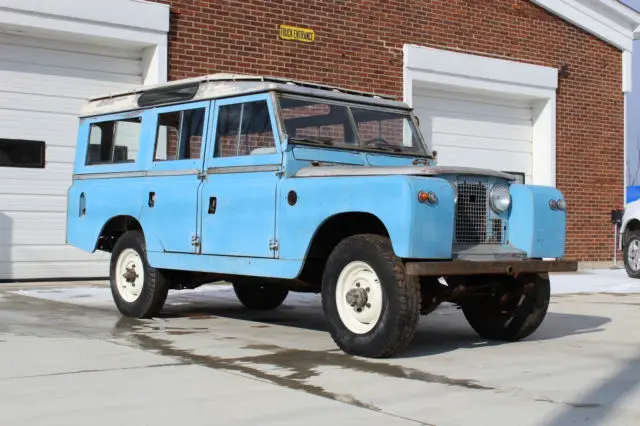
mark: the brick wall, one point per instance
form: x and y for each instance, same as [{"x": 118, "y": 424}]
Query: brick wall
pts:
[{"x": 359, "y": 45}]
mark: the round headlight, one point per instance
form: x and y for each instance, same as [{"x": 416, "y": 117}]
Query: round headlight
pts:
[{"x": 500, "y": 199}]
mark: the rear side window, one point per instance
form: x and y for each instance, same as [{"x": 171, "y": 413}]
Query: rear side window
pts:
[
  {"x": 179, "y": 135},
  {"x": 114, "y": 142}
]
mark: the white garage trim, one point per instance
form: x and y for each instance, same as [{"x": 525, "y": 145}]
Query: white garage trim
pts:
[
  {"x": 609, "y": 20},
  {"x": 454, "y": 71},
  {"x": 122, "y": 23}
]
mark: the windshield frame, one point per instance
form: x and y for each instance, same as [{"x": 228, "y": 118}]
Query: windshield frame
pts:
[{"x": 408, "y": 113}]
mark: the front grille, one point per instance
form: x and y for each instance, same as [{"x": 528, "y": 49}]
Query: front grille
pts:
[{"x": 475, "y": 223}]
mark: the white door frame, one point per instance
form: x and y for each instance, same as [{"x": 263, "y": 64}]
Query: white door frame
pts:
[
  {"x": 447, "y": 70},
  {"x": 123, "y": 23}
]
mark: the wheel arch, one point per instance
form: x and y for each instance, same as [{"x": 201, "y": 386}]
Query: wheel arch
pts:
[
  {"x": 113, "y": 229},
  {"x": 329, "y": 233},
  {"x": 631, "y": 225}
]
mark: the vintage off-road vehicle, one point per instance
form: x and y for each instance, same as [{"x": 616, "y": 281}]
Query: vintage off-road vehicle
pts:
[{"x": 277, "y": 186}]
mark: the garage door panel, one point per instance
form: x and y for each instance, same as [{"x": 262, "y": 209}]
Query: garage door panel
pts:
[
  {"x": 54, "y": 129},
  {"x": 477, "y": 127},
  {"x": 15, "y": 81},
  {"x": 21, "y": 228},
  {"x": 470, "y": 97},
  {"x": 38, "y": 269},
  {"x": 52, "y": 253},
  {"x": 61, "y": 154},
  {"x": 68, "y": 60},
  {"x": 61, "y": 81},
  {"x": 29, "y": 203},
  {"x": 70, "y": 46},
  {"x": 17, "y": 187},
  {"x": 498, "y": 160},
  {"x": 479, "y": 142},
  {"x": 58, "y": 172},
  {"x": 40, "y": 103},
  {"x": 516, "y": 112}
]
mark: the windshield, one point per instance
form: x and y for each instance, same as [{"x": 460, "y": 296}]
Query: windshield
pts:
[{"x": 323, "y": 122}]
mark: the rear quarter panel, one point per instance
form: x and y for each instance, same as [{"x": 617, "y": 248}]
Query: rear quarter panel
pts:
[{"x": 104, "y": 199}]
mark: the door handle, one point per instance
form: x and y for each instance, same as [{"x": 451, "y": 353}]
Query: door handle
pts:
[
  {"x": 213, "y": 204},
  {"x": 152, "y": 199}
]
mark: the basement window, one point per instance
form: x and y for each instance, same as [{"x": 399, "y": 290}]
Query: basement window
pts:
[{"x": 22, "y": 153}]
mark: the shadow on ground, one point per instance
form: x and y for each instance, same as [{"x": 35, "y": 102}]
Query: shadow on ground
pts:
[
  {"x": 601, "y": 400},
  {"x": 443, "y": 331}
]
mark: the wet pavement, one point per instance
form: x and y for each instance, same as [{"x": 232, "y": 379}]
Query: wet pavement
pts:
[{"x": 68, "y": 358}]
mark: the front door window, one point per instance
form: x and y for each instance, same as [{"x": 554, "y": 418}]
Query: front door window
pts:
[{"x": 244, "y": 129}]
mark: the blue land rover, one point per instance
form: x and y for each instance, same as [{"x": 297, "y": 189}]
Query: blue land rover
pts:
[{"x": 277, "y": 186}]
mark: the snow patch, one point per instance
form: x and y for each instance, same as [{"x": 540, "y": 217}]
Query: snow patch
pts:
[{"x": 594, "y": 281}]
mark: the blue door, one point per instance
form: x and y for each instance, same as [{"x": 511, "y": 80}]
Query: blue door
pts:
[
  {"x": 238, "y": 198},
  {"x": 170, "y": 210}
]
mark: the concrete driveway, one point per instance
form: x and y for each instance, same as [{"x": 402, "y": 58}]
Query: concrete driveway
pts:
[{"x": 68, "y": 358}]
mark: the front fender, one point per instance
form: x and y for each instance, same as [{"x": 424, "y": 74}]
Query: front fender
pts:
[
  {"x": 533, "y": 226},
  {"x": 416, "y": 230}
]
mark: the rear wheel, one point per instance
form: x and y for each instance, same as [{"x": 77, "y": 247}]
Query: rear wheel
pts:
[
  {"x": 371, "y": 305},
  {"x": 513, "y": 311},
  {"x": 138, "y": 289},
  {"x": 260, "y": 297}
]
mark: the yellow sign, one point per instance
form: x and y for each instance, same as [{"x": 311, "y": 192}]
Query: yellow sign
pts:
[{"x": 305, "y": 35}]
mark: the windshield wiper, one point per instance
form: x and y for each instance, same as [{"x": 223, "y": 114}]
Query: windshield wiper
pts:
[{"x": 321, "y": 140}]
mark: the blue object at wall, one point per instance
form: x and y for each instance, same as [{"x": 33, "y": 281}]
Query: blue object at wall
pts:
[
  {"x": 632, "y": 168},
  {"x": 633, "y": 193}
]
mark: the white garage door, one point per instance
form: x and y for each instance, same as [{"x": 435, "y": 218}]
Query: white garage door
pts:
[
  {"x": 43, "y": 84},
  {"x": 477, "y": 131}
]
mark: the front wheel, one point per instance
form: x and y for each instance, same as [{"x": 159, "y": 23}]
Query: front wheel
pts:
[
  {"x": 513, "y": 311},
  {"x": 138, "y": 289},
  {"x": 372, "y": 307}
]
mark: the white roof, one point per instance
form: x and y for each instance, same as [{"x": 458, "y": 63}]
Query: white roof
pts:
[{"x": 223, "y": 85}]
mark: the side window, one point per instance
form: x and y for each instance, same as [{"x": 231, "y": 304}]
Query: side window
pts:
[
  {"x": 114, "y": 142},
  {"x": 179, "y": 135},
  {"x": 22, "y": 153},
  {"x": 244, "y": 129}
]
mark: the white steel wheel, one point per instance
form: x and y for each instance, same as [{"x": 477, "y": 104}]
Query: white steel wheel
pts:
[
  {"x": 129, "y": 275},
  {"x": 633, "y": 255},
  {"x": 359, "y": 297}
]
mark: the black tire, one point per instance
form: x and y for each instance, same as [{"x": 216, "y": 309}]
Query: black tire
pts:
[
  {"x": 513, "y": 319},
  {"x": 260, "y": 297},
  {"x": 155, "y": 285},
  {"x": 631, "y": 238},
  {"x": 400, "y": 298}
]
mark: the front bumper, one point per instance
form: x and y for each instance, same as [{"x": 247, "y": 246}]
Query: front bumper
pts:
[{"x": 503, "y": 267}]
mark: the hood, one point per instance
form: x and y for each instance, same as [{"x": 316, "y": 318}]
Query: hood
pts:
[{"x": 325, "y": 171}]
